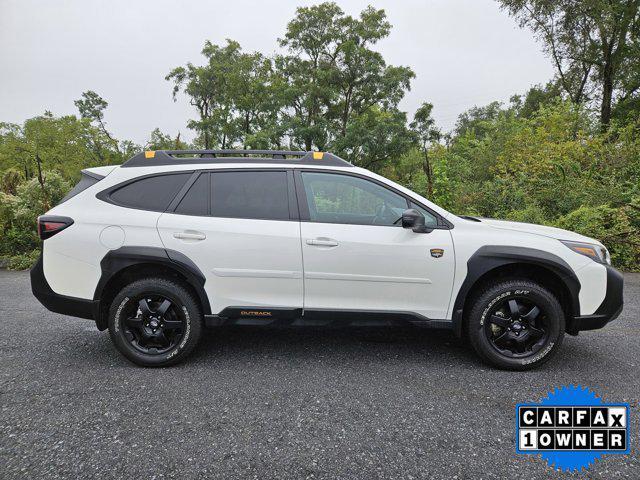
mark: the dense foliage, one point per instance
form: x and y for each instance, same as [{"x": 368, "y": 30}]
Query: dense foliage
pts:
[
  {"x": 548, "y": 157},
  {"x": 594, "y": 45},
  {"x": 553, "y": 167}
]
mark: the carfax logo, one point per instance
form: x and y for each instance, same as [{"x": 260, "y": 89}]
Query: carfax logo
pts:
[{"x": 572, "y": 427}]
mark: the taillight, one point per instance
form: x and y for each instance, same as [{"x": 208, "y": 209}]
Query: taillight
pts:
[{"x": 49, "y": 225}]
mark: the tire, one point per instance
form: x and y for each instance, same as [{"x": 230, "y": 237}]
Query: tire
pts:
[
  {"x": 151, "y": 332},
  {"x": 504, "y": 327}
]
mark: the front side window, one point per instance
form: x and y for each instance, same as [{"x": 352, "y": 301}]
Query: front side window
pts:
[
  {"x": 258, "y": 195},
  {"x": 150, "y": 193},
  {"x": 335, "y": 198},
  {"x": 430, "y": 220}
]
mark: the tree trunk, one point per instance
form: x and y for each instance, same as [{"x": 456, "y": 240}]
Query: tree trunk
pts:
[
  {"x": 111, "y": 139},
  {"x": 346, "y": 110},
  {"x": 426, "y": 166},
  {"x": 607, "y": 96},
  {"x": 41, "y": 182}
]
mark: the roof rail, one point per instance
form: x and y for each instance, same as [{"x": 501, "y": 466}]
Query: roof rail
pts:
[
  {"x": 185, "y": 157},
  {"x": 215, "y": 153}
]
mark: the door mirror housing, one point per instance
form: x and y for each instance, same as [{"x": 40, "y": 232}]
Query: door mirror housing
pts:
[{"x": 414, "y": 220}]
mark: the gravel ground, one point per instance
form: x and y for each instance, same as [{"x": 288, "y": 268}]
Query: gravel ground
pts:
[{"x": 258, "y": 403}]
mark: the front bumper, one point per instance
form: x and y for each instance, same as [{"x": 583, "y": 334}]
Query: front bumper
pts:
[
  {"x": 608, "y": 310},
  {"x": 75, "y": 307}
]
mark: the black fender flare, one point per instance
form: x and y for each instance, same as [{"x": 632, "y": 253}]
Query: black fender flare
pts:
[
  {"x": 490, "y": 257},
  {"x": 117, "y": 260}
]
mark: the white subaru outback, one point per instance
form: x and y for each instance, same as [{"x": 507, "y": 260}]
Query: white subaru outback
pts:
[{"x": 173, "y": 241}]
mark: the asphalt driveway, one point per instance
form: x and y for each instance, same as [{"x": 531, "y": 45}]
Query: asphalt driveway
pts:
[{"x": 258, "y": 403}]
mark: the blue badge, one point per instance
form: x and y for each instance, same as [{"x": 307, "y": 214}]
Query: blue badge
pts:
[{"x": 572, "y": 427}]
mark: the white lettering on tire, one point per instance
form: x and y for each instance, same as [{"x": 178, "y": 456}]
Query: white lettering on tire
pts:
[
  {"x": 185, "y": 337},
  {"x": 116, "y": 324},
  {"x": 491, "y": 304}
]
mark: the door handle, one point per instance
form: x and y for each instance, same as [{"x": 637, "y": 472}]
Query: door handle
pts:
[
  {"x": 189, "y": 235},
  {"x": 322, "y": 242}
]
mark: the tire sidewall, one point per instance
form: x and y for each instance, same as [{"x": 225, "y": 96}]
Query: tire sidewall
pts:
[
  {"x": 515, "y": 290},
  {"x": 179, "y": 297}
]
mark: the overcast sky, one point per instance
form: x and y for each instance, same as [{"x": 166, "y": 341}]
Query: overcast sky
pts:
[{"x": 464, "y": 53}]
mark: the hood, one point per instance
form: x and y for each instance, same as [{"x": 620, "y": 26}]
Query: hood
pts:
[{"x": 551, "y": 232}]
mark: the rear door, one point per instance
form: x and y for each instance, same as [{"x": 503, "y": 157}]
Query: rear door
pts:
[
  {"x": 241, "y": 228},
  {"x": 358, "y": 257}
]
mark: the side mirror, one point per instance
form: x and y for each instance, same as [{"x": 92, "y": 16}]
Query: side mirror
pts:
[{"x": 414, "y": 220}]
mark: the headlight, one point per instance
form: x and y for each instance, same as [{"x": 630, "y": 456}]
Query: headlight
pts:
[{"x": 594, "y": 252}]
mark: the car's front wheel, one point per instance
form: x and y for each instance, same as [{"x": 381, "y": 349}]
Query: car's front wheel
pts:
[
  {"x": 155, "y": 322},
  {"x": 516, "y": 325}
]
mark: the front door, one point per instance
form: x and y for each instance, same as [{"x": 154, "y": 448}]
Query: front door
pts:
[
  {"x": 246, "y": 240},
  {"x": 357, "y": 256}
]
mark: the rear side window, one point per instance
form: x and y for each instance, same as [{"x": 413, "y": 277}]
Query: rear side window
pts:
[
  {"x": 150, "y": 193},
  {"x": 196, "y": 200},
  {"x": 260, "y": 195},
  {"x": 86, "y": 180}
]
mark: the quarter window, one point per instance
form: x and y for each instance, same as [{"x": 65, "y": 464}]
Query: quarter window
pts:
[
  {"x": 260, "y": 195},
  {"x": 150, "y": 193},
  {"x": 335, "y": 198}
]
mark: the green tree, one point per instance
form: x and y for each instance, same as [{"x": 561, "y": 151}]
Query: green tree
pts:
[
  {"x": 92, "y": 107},
  {"x": 48, "y": 143},
  {"x": 535, "y": 98},
  {"x": 162, "y": 141},
  {"x": 478, "y": 120},
  {"x": 375, "y": 138},
  {"x": 337, "y": 85},
  {"x": 231, "y": 93},
  {"x": 425, "y": 127},
  {"x": 593, "y": 44}
]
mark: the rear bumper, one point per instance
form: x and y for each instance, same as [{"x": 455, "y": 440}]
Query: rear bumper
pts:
[
  {"x": 609, "y": 309},
  {"x": 74, "y": 307}
]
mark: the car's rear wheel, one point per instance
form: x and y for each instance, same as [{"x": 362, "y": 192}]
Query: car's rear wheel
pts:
[
  {"x": 516, "y": 325},
  {"x": 155, "y": 322}
]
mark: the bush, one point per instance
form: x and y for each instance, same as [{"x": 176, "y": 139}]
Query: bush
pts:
[
  {"x": 23, "y": 261},
  {"x": 530, "y": 214},
  {"x": 613, "y": 227},
  {"x": 553, "y": 167},
  {"x": 19, "y": 212}
]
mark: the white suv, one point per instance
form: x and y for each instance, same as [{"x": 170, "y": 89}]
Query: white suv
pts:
[{"x": 172, "y": 241}]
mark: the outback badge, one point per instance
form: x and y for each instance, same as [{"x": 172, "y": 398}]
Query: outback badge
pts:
[
  {"x": 255, "y": 313},
  {"x": 437, "y": 252}
]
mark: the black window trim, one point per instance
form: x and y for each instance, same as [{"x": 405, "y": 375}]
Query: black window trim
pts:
[
  {"x": 298, "y": 208},
  {"x": 105, "y": 195},
  {"x": 183, "y": 193},
  {"x": 303, "y": 206},
  {"x": 292, "y": 202}
]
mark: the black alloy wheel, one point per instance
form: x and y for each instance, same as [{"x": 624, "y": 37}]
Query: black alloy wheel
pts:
[
  {"x": 153, "y": 324},
  {"x": 516, "y": 327},
  {"x": 515, "y": 324}
]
